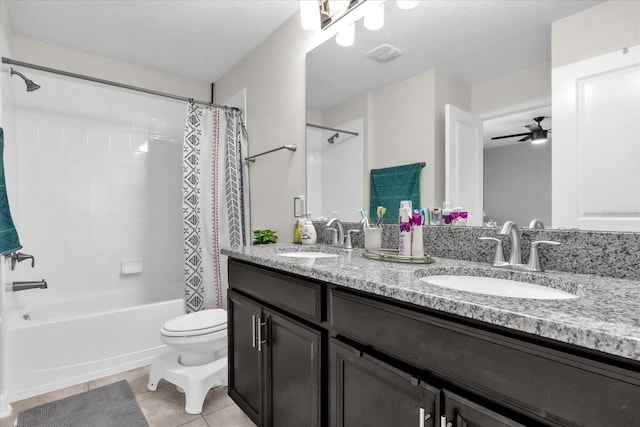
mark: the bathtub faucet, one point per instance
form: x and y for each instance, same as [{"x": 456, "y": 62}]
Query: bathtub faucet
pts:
[
  {"x": 23, "y": 286},
  {"x": 17, "y": 257}
]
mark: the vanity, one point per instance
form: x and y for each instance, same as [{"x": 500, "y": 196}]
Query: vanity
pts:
[{"x": 338, "y": 339}]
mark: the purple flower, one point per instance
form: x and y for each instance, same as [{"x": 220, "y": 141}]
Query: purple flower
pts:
[{"x": 405, "y": 226}]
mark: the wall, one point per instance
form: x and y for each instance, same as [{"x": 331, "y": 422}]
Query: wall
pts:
[
  {"x": 513, "y": 171},
  {"x": 274, "y": 77},
  {"x": 528, "y": 87},
  {"x": 601, "y": 29}
]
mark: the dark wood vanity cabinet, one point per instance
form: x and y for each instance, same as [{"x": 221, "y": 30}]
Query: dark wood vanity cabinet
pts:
[
  {"x": 275, "y": 360},
  {"x": 307, "y": 353},
  {"x": 522, "y": 379},
  {"x": 368, "y": 392}
]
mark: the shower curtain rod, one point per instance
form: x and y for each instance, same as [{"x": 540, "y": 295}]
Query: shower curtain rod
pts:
[
  {"x": 333, "y": 129},
  {"x": 112, "y": 83}
]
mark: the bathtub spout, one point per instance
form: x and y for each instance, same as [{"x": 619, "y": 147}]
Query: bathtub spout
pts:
[{"x": 22, "y": 286}]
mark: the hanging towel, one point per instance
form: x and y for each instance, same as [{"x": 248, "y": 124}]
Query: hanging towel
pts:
[
  {"x": 389, "y": 186},
  {"x": 9, "y": 241}
]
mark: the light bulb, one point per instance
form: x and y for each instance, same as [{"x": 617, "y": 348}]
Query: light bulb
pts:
[
  {"x": 407, "y": 4},
  {"x": 374, "y": 19},
  {"x": 309, "y": 14},
  {"x": 346, "y": 35},
  {"x": 336, "y": 6}
]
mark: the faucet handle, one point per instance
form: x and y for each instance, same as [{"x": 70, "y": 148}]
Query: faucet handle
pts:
[
  {"x": 534, "y": 257},
  {"x": 347, "y": 243},
  {"x": 498, "y": 258}
]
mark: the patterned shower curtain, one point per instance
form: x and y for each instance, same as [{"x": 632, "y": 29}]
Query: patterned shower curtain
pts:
[{"x": 215, "y": 201}]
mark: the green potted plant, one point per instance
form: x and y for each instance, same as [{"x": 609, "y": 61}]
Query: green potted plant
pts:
[{"x": 263, "y": 237}]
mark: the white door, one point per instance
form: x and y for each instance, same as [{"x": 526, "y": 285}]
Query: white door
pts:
[
  {"x": 463, "y": 162},
  {"x": 596, "y": 143}
]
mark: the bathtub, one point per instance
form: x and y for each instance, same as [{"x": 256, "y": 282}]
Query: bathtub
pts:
[{"x": 67, "y": 341}]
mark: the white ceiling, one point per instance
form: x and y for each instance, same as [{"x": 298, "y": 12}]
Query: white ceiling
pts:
[
  {"x": 472, "y": 40},
  {"x": 196, "y": 39}
]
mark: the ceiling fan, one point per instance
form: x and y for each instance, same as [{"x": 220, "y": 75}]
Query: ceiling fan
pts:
[{"x": 537, "y": 134}]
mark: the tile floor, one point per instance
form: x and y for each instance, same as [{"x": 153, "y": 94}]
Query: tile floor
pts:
[{"x": 162, "y": 408}]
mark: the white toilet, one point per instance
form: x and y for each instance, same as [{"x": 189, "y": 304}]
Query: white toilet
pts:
[{"x": 197, "y": 359}]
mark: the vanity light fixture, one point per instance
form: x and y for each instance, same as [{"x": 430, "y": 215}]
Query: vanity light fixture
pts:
[
  {"x": 346, "y": 36},
  {"x": 309, "y": 14},
  {"x": 374, "y": 18},
  {"x": 342, "y": 15},
  {"x": 407, "y": 4}
]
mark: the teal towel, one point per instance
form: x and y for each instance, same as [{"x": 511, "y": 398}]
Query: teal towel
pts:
[
  {"x": 9, "y": 241},
  {"x": 389, "y": 186}
]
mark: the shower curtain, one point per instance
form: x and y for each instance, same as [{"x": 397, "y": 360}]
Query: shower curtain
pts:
[{"x": 215, "y": 200}]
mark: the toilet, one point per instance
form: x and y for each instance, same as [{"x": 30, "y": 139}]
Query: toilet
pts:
[{"x": 197, "y": 357}]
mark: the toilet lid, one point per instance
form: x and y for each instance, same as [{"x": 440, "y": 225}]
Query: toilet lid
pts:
[{"x": 199, "y": 322}]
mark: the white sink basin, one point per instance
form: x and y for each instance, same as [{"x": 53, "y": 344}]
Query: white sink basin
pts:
[
  {"x": 307, "y": 254},
  {"x": 497, "y": 287}
]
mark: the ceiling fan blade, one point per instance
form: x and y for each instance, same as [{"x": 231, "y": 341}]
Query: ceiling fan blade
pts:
[
  {"x": 511, "y": 136},
  {"x": 526, "y": 138}
]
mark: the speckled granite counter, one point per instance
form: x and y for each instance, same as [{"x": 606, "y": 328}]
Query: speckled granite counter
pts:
[{"x": 605, "y": 318}]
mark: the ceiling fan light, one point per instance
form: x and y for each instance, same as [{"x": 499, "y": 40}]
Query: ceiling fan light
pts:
[
  {"x": 374, "y": 19},
  {"x": 539, "y": 137},
  {"x": 309, "y": 14},
  {"x": 346, "y": 36}
]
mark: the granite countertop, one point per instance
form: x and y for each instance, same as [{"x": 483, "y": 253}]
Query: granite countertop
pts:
[{"x": 605, "y": 317}]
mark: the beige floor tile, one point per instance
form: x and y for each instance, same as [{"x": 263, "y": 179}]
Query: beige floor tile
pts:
[
  {"x": 216, "y": 399},
  {"x": 134, "y": 376},
  {"x": 199, "y": 422},
  {"x": 164, "y": 407},
  {"x": 230, "y": 416},
  {"x": 137, "y": 379}
]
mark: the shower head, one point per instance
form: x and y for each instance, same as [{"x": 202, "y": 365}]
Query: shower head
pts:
[
  {"x": 31, "y": 86},
  {"x": 291, "y": 147},
  {"x": 331, "y": 139}
]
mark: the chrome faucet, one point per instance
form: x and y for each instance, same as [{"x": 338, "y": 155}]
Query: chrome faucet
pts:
[
  {"x": 537, "y": 224},
  {"x": 515, "y": 257},
  {"x": 339, "y": 231},
  {"x": 23, "y": 286},
  {"x": 511, "y": 229}
]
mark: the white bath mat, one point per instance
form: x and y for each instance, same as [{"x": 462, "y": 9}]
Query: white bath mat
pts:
[{"x": 113, "y": 405}]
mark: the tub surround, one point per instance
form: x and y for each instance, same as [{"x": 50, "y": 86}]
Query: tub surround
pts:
[{"x": 604, "y": 318}]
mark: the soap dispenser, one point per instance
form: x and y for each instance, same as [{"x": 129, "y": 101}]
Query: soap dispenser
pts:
[{"x": 309, "y": 235}]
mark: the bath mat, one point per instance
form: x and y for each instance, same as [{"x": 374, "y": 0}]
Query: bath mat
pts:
[{"x": 113, "y": 405}]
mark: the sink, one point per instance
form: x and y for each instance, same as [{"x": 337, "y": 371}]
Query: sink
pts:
[
  {"x": 497, "y": 287},
  {"x": 307, "y": 254}
]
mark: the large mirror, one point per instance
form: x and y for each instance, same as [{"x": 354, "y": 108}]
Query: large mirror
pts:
[{"x": 488, "y": 57}]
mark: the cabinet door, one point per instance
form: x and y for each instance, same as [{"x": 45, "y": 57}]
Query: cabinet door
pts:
[
  {"x": 293, "y": 373},
  {"x": 245, "y": 365},
  {"x": 368, "y": 392},
  {"x": 461, "y": 412}
]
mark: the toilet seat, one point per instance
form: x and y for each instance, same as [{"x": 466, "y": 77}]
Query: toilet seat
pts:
[{"x": 197, "y": 323}]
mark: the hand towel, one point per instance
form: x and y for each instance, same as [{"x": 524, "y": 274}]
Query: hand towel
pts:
[{"x": 389, "y": 186}]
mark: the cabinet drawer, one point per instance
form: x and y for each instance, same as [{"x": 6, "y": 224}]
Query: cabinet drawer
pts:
[
  {"x": 541, "y": 382},
  {"x": 295, "y": 295}
]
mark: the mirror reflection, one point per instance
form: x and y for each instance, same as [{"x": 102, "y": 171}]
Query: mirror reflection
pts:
[{"x": 491, "y": 58}]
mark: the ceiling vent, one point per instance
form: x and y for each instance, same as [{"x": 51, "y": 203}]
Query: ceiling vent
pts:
[{"x": 384, "y": 53}]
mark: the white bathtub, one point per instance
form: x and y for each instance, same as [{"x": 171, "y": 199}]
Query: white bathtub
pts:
[{"x": 58, "y": 343}]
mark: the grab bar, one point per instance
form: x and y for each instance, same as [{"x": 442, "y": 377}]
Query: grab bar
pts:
[{"x": 23, "y": 286}]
